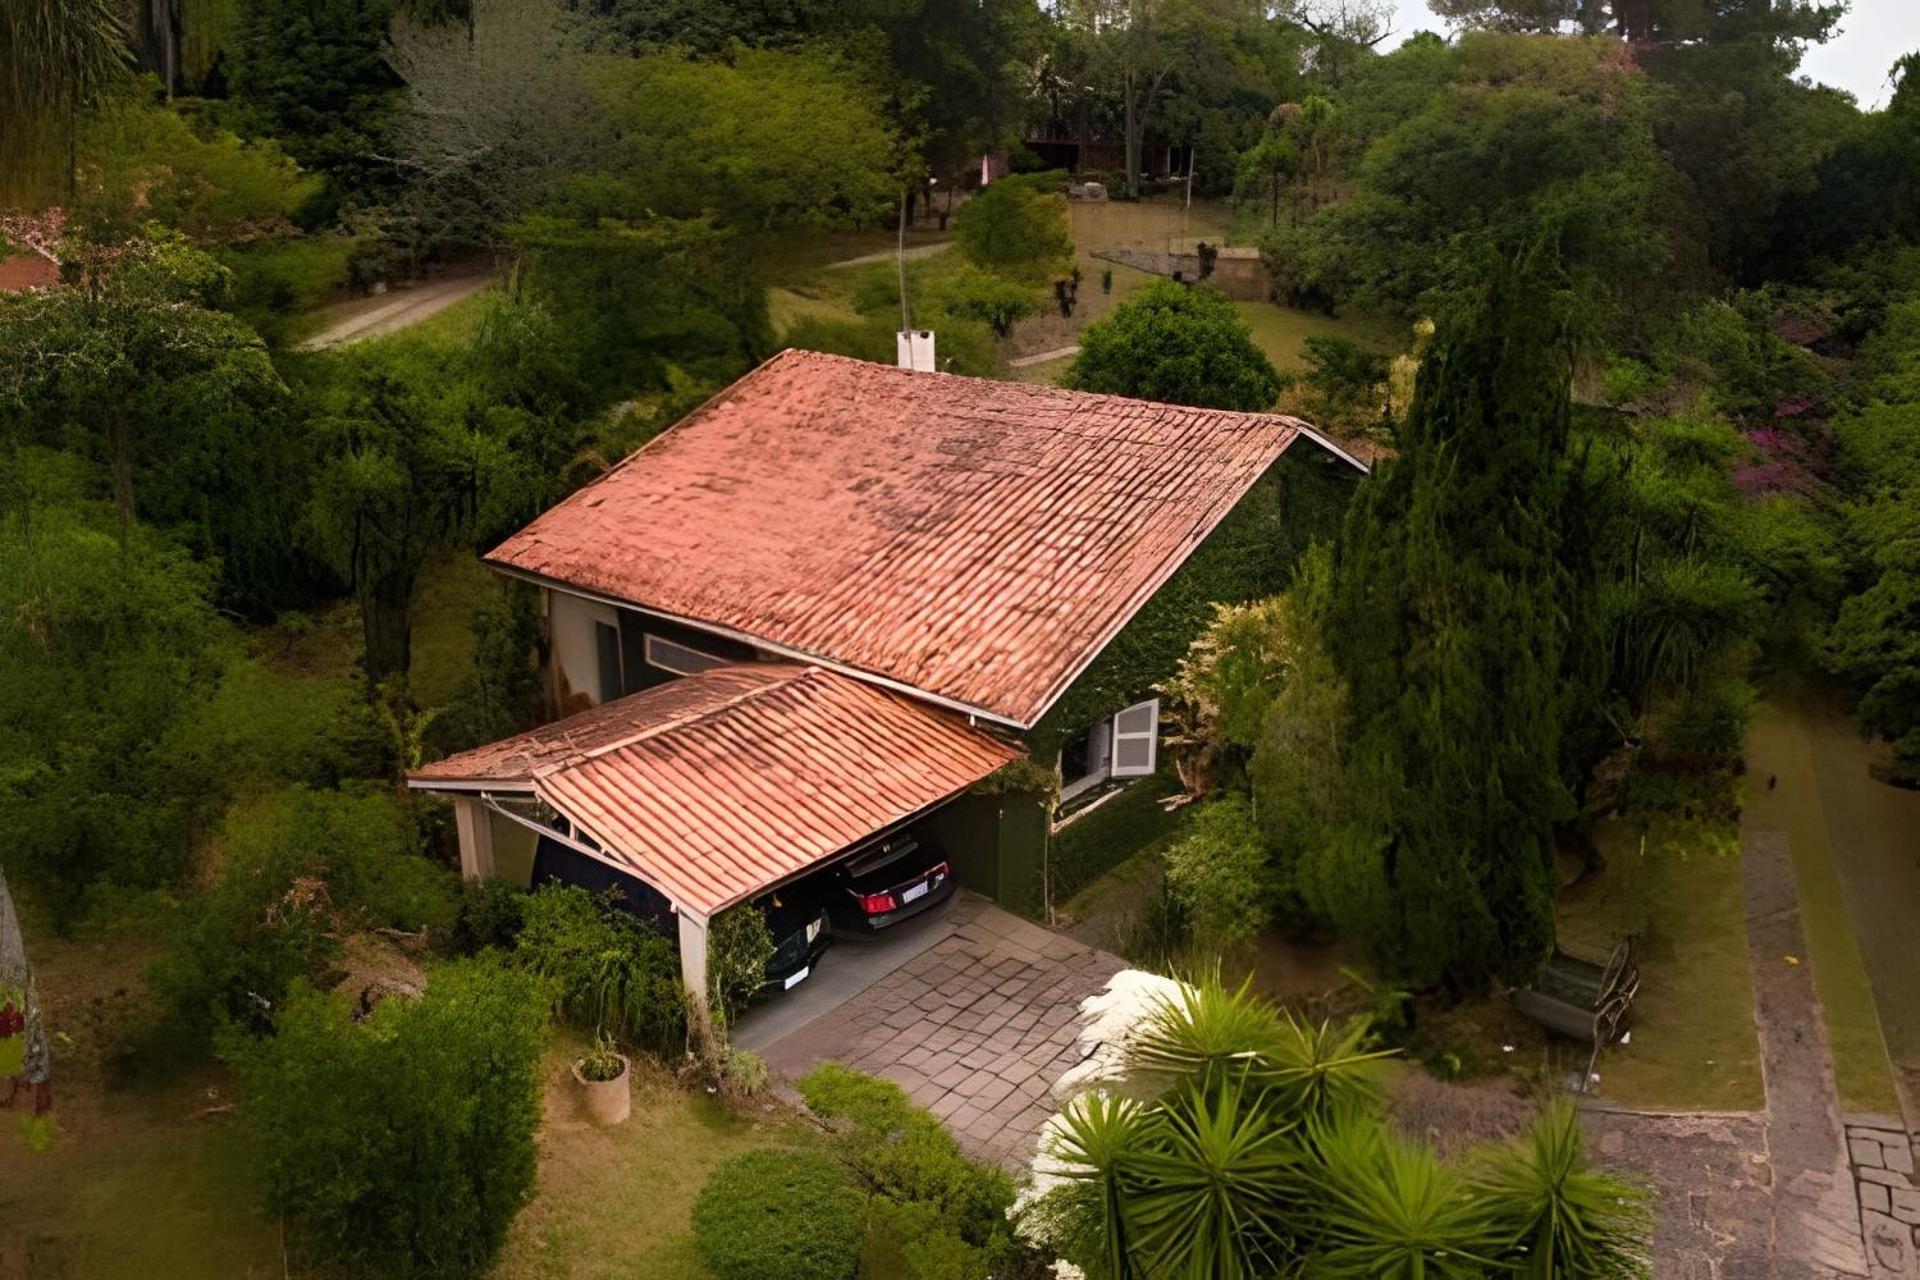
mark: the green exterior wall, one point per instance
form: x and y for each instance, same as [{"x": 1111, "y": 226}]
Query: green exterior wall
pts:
[{"x": 1250, "y": 555}]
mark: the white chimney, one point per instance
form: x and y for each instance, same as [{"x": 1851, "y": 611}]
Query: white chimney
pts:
[{"x": 915, "y": 349}]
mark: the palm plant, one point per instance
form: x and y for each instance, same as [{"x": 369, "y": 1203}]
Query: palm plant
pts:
[
  {"x": 1300, "y": 1069},
  {"x": 1210, "y": 1191},
  {"x": 1554, "y": 1216},
  {"x": 1255, "y": 1144},
  {"x": 1388, "y": 1209},
  {"x": 57, "y": 59}
]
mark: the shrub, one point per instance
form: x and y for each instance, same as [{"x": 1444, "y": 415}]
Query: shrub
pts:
[
  {"x": 911, "y": 1242},
  {"x": 1014, "y": 230},
  {"x": 1179, "y": 345},
  {"x": 299, "y": 869},
  {"x": 779, "y": 1215},
  {"x": 488, "y": 913},
  {"x": 905, "y": 1154},
  {"x": 404, "y": 1146},
  {"x": 738, "y": 948},
  {"x": 1557, "y": 1216},
  {"x": 610, "y": 974},
  {"x": 746, "y": 1072},
  {"x": 1217, "y": 873}
]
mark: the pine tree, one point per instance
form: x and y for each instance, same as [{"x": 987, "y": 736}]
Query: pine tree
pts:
[{"x": 1449, "y": 621}]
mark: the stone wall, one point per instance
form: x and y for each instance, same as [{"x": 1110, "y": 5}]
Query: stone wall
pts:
[{"x": 1237, "y": 272}]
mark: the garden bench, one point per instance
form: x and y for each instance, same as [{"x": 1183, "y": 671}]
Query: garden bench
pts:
[{"x": 1584, "y": 995}]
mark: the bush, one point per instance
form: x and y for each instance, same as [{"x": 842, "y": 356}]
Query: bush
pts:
[
  {"x": 610, "y": 974},
  {"x": 1179, "y": 345},
  {"x": 402, "y": 1147},
  {"x": 738, "y": 949},
  {"x": 905, "y": 1154},
  {"x": 779, "y": 1215},
  {"x": 1217, "y": 874},
  {"x": 300, "y": 869},
  {"x": 488, "y": 913},
  {"x": 1012, "y": 229}
]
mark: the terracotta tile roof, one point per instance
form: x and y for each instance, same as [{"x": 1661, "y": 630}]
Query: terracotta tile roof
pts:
[
  {"x": 975, "y": 540},
  {"x": 715, "y": 786},
  {"x": 515, "y": 760}
]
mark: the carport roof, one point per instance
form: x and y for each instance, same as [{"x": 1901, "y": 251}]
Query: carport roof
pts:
[{"x": 716, "y": 786}]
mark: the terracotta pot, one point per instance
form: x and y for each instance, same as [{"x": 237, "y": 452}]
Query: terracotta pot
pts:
[{"x": 608, "y": 1101}]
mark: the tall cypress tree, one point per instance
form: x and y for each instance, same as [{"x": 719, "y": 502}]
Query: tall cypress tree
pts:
[{"x": 1449, "y": 620}]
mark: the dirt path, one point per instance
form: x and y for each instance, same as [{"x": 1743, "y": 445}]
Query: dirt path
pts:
[
  {"x": 887, "y": 255},
  {"x": 371, "y": 317}
]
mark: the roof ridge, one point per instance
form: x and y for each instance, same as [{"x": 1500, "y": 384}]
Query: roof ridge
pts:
[{"x": 789, "y": 673}]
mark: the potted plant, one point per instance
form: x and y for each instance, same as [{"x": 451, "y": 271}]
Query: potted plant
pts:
[{"x": 602, "y": 1072}]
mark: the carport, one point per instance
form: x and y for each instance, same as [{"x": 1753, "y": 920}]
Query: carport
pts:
[{"x": 719, "y": 786}]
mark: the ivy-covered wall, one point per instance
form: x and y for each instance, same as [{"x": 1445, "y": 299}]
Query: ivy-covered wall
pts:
[{"x": 1248, "y": 556}]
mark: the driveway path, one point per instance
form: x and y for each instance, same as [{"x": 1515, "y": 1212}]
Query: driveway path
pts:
[
  {"x": 384, "y": 313},
  {"x": 976, "y": 1028}
]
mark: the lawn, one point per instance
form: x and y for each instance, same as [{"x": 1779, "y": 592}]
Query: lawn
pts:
[
  {"x": 1783, "y": 746},
  {"x": 617, "y": 1204},
  {"x": 149, "y": 1179},
  {"x": 1692, "y": 1045}
]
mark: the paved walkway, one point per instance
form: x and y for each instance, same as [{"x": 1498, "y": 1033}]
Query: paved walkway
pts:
[
  {"x": 976, "y": 1028},
  {"x": 1058, "y": 353},
  {"x": 1816, "y": 1217}
]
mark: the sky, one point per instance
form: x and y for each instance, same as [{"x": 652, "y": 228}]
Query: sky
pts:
[{"x": 1872, "y": 35}]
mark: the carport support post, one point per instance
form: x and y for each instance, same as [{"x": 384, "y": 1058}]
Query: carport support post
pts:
[
  {"x": 693, "y": 972},
  {"x": 475, "y": 826}
]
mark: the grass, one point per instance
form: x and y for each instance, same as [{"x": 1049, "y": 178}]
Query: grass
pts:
[
  {"x": 1119, "y": 829},
  {"x": 451, "y": 585},
  {"x": 1783, "y": 746},
  {"x": 1692, "y": 1045},
  {"x": 617, "y": 1204}
]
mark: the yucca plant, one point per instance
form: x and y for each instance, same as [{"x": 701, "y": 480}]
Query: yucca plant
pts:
[
  {"x": 1324, "y": 1070},
  {"x": 1554, "y": 1216},
  {"x": 1092, "y": 1141},
  {"x": 1211, "y": 1190},
  {"x": 1388, "y": 1209},
  {"x": 1205, "y": 1033},
  {"x": 1209, "y": 1033}
]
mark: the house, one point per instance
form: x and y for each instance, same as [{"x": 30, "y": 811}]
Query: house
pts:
[{"x": 839, "y": 598}]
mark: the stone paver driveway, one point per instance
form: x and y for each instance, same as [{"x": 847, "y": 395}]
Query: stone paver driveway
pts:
[{"x": 976, "y": 1028}]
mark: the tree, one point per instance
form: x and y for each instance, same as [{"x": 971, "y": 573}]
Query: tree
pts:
[
  {"x": 770, "y": 141},
  {"x": 1178, "y": 345},
  {"x": 313, "y": 74},
  {"x": 134, "y": 361},
  {"x": 58, "y": 59},
  {"x": 1667, "y": 20},
  {"x": 110, "y": 647},
  {"x": 1528, "y": 133},
  {"x": 403, "y": 1146},
  {"x": 414, "y": 456},
  {"x": 1449, "y": 620},
  {"x": 1015, "y": 230},
  {"x": 496, "y": 114},
  {"x": 1139, "y": 48}
]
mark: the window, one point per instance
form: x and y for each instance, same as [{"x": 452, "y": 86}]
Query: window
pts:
[
  {"x": 606, "y": 639},
  {"x": 682, "y": 660},
  {"x": 1136, "y": 735}
]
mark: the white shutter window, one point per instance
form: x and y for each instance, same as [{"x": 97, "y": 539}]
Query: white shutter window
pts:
[{"x": 1136, "y": 740}]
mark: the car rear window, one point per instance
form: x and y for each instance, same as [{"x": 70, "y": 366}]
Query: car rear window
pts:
[{"x": 884, "y": 854}]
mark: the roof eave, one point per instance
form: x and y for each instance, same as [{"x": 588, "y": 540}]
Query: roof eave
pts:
[{"x": 787, "y": 651}]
